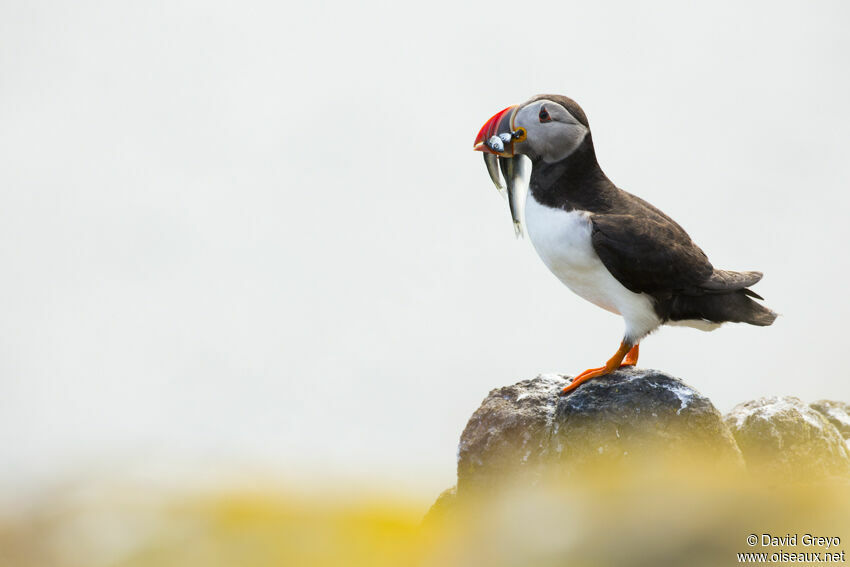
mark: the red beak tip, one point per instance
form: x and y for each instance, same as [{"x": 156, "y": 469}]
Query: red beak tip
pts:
[{"x": 491, "y": 128}]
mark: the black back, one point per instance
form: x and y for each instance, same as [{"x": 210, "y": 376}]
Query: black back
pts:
[{"x": 644, "y": 249}]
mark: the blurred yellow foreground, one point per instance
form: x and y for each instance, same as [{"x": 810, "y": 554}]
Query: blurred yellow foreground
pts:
[{"x": 672, "y": 514}]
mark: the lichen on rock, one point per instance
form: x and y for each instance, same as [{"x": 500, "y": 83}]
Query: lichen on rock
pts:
[
  {"x": 527, "y": 429},
  {"x": 781, "y": 435},
  {"x": 837, "y": 413}
]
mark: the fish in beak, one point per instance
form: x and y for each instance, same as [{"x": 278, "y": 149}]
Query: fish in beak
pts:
[{"x": 497, "y": 139}]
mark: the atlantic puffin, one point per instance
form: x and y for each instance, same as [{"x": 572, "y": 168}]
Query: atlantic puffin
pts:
[{"x": 608, "y": 246}]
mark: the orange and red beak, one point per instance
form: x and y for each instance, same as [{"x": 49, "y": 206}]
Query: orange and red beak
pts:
[{"x": 500, "y": 124}]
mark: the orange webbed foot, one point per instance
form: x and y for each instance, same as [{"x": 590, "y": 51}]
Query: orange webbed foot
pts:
[
  {"x": 585, "y": 376},
  {"x": 626, "y": 355}
]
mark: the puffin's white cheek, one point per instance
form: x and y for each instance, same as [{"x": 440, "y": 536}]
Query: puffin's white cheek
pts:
[
  {"x": 563, "y": 141},
  {"x": 550, "y": 150}
]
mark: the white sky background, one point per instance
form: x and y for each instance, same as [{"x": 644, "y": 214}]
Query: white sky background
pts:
[{"x": 257, "y": 233}]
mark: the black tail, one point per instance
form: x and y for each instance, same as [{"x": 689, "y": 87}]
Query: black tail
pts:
[
  {"x": 734, "y": 307},
  {"x": 727, "y": 280}
]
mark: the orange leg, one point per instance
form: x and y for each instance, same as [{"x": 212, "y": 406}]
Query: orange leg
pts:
[
  {"x": 631, "y": 358},
  {"x": 610, "y": 366}
]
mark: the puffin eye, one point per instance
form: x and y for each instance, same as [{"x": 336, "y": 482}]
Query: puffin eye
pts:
[{"x": 544, "y": 115}]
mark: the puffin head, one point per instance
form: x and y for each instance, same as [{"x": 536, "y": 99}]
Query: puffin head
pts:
[{"x": 546, "y": 127}]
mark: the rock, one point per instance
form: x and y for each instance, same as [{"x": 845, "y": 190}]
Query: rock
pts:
[
  {"x": 837, "y": 413},
  {"x": 442, "y": 507},
  {"x": 783, "y": 436},
  {"x": 527, "y": 429}
]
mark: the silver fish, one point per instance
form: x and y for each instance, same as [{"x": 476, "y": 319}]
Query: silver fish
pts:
[
  {"x": 496, "y": 144},
  {"x": 514, "y": 172},
  {"x": 492, "y": 163}
]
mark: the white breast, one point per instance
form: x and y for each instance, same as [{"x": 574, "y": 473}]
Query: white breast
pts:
[{"x": 562, "y": 240}]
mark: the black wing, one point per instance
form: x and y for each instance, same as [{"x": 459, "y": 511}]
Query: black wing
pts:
[{"x": 650, "y": 253}]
